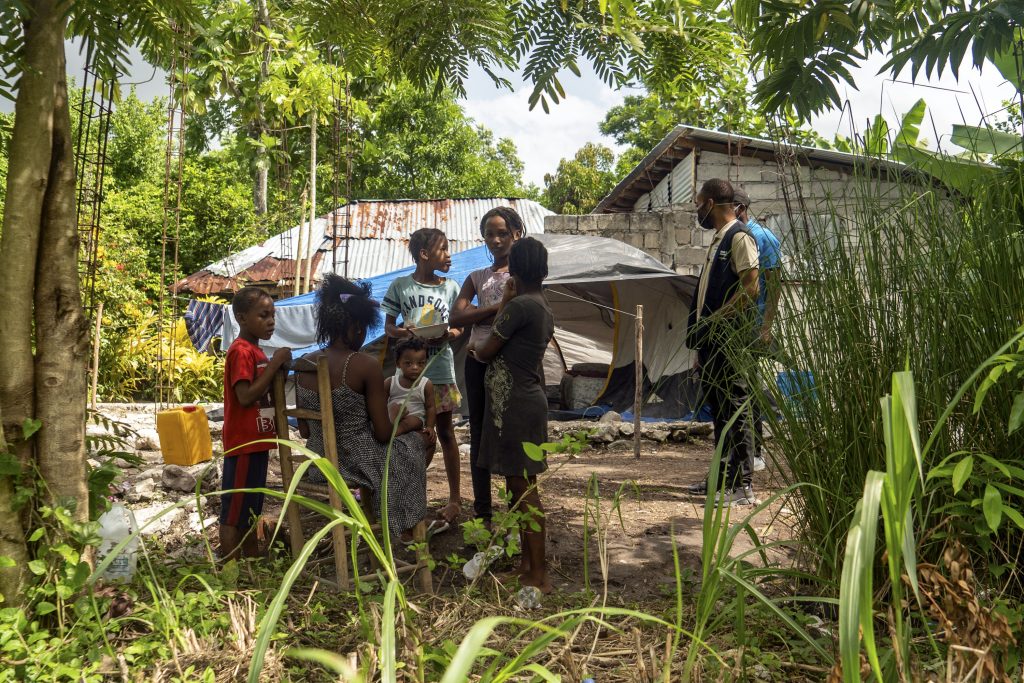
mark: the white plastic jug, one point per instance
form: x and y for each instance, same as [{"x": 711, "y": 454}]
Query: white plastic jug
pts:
[{"x": 117, "y": 524}]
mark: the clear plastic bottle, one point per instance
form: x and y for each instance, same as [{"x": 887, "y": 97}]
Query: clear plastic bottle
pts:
[
  {"x": 117, "y": 524},
  {"x": 476, "y": 566}
]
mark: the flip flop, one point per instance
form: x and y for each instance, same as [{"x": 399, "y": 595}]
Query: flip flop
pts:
[{"x": 437, "y": 526}]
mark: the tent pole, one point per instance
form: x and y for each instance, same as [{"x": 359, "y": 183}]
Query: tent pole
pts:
[{"x": 638, "y": 399}]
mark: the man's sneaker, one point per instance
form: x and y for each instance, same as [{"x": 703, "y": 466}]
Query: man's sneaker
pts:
[
  {"x": 698, "y": 489},
  {"x": 741, "y": 495},
  {"x": 759, "y": 463}
]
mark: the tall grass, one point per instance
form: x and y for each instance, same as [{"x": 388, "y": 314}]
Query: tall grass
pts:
[{"x": 908, "y": 278}]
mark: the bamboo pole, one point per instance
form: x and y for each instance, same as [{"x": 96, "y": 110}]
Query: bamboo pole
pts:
[
  {"x": 96, "y": 355},
  {"x": 301, "y": 247},
  {"x": 638, "y": 396}
]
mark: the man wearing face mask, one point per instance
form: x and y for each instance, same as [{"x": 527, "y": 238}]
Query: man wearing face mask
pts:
[{"x": 721, "y": 318}]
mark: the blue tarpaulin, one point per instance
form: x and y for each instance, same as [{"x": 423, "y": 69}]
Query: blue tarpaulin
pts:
[{"x": 463, "y": 264}]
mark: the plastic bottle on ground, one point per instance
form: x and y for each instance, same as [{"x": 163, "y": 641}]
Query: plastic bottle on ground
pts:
[
  {"x": 479, "y": 563},
  {"x": 117, "y": 524}
]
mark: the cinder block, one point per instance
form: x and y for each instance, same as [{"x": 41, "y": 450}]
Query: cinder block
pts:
[
  {"x": 645, "y": 222},
  {"x": 683, "y": 269},
  {"x": 589, "y": 224},
  {"x": 761, "y": 191},
  {"x": 684, "y": 237},
  {"x": 614, "y": 222},
  {"x": 652, "y": 240},
  {"x": 692, "y": 256},
  {"x": 826, "y": 174},
  {"x": 708, "y": 171},
  {"x": 562, "y": 225},
  {"x": 617, "y": 235},
  {"x": 679, "y": 217},
  {"x": 635, "y": 240},
  {"x": 749, "y": 173},
  {"x": 715, "y": 158}
]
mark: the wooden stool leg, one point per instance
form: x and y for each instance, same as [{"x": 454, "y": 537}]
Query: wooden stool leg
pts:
[
  {"x": 295, "y": 534},
  {"x": 340, "y": 548},
  {"x": 371, "y": 517},
  {"x": 284, "y": 454},
  {"x": 423, "y": 576}
]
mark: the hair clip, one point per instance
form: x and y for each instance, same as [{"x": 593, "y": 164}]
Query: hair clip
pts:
[{"x": 345, "y": 297}]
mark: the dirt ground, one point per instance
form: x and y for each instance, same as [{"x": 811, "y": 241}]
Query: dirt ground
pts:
[
  {"x": 654, "y": 508},
  {"x": 655, "y": 512}
]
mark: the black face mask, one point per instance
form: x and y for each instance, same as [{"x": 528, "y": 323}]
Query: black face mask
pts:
[{"x": 704, "y": 220}]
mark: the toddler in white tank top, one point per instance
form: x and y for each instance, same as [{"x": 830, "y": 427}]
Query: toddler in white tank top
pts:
[{"x": 410, "y": 394}]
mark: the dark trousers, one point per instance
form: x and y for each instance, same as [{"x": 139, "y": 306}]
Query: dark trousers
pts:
[
  {"x": 475, "y": 397},
  {"x": 725, "y": 391}
]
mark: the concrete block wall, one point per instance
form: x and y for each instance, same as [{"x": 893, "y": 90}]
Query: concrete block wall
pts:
[
  {"x": 813, "y": 190},
  {"x": 672, "y": 237},
  {"x": 763, "y": 180}
]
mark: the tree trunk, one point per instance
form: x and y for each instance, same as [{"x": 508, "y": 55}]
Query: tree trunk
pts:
[
  {"x": 29, "y": 155},
  {"x": 62, "y": 331},
  {"x": 259, "y": 127},
  {"x": 259, "y": 192},
  {"x": 12, "y": 543}
]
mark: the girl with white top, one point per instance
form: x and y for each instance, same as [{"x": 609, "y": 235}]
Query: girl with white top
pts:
[{"x": 500, "y": 228}]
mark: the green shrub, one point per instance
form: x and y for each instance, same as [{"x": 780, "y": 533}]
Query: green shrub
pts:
[{"x": 133, "y": 364}]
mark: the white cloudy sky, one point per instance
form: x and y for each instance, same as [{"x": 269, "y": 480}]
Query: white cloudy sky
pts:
[{"x": 544, "y": 139}]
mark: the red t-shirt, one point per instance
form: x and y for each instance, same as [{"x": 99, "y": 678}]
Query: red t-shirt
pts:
[{"x": 245, "y": 362}]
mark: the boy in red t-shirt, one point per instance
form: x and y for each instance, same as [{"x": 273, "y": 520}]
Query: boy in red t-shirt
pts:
[{"x": 248, "y": 417}]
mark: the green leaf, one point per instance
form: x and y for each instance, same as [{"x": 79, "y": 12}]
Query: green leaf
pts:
[
  {"x": 6, "y": 562},
  {"x": 910, "y": 127},
  {"x": 30, "y": 427},
  {"x": 1014, "y": 516},
  {"x": 1016, "y": 413},
  {"x": 1007, "y": 65},
  {"x": 992, "y": 506},
  {"x": 962, "y": 472},
  {"x": 984, "y": 140},
  {"x": 388, "y": 653},
  {"x": 855, "y": 607},
  {"x": 9, "y": 464},
  {"x": 45, "y": 607},
  {"x": 37, "y": 567},
  {"x": 534, "y": 452}
]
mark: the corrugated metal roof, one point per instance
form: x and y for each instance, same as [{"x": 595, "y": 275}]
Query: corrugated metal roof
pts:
[
  {"x": 679, "y": 142},
  {"x": 380, "y": 231}
]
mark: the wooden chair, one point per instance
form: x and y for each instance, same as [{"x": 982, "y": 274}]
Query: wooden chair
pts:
[{"x": 289, "y": 460}]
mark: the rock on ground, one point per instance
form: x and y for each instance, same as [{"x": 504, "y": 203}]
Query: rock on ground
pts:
[{"x": 178, "y": 478}]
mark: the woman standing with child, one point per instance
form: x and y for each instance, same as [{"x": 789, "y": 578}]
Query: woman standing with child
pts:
[
  {"x": 500, "y": 227},
  {"x": 516, "y": 407}
]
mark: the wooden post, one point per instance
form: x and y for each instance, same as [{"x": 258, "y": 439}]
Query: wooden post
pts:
[
  {"x": 308, "y": 284},
  {"x": 301, "y": 248},
  {"x": 96, "y": 355},
  {"x": 638, "y": 397}
]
